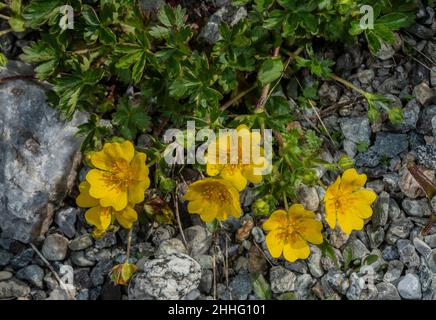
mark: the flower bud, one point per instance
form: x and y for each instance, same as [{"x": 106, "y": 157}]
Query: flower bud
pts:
[
  {"x": 166, "y": 184},
  {"x": 122, "y": 273},
  {"x": 261, "y": 207},
  {"x": 158, "y": 210},
  {"x": 345, "y": 162},
  {"x": 396, "y": 115}
]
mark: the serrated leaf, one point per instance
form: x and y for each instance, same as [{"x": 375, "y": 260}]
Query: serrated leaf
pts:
[
  {"x": 130, "y": 118},
  {"x": 159, "y": 32},
  {"x": 40, "y": 11}
]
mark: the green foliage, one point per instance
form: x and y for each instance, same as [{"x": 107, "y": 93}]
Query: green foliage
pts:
[
  {"x": 130, "y": 118},
  {"x": 130, "y": 70},
  {"x": 261, "y": 287}
]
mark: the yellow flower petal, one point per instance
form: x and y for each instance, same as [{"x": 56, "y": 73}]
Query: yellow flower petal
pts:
[
  {"x": 296, "y": 248},
  {"x": 136, "y": 191},
  {"x": 195, "y": 206},
  {"x": 139, "y": 169},
  {"x": 352, "y": 181},
  {"x": 248, "y": 173},
  {"x": 278, "y": 219},
  {"x": 99, "y": 217},
  {"x": 116, "y": 199},
  {"x": 310, "y": 230},
  {"x": 126, "y": 217},
  {"x": 297, "y": 211},
  {"x": 209, "y": 213},
  {"x": 330, "y": 213},
  {"x": 275, "y": 242},
  {"x": 234, "y": 175},
  {"x": 213, "y": 169},
  {"x": 102, "y": 189},
  {"x": 101, "y": 160},
  {"x": 349, "y": 221},
  {"x": 330, "y": 198},
  {"x": 84, "y": 200},
  {"x": 117, "y": 150}
]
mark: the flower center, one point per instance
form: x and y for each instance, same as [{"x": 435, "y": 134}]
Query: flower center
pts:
[
  {"x": 120, "y": 175},
  {"x": 216, "y": 193}
]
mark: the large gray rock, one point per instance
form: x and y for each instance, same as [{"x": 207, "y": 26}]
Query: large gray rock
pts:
[
  {"x": 170, "y": 277},
  {"x": 39, "y": 155}
]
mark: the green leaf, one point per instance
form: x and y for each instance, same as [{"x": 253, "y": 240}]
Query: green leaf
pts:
[
  {"x": 261, "y": 287},
  {"x": 130, "y": 118},
  {"x": 287, "y": 296},
  {"x": 270, "y": 70},
  {"x": 370, "y": 259},
  {"x": 3, "y": 60},
  {"x": 44, "y": 55},
  {"x": 40, "y": 11},
  {"x": 107, "y": 36},
  {"x": 159, "y": 32},
  {"x": 396, "y": 20},
  {"x": 90, "y": 16},
  {"x": 327, "y": 250},
  {"x": 348, "y": 257}
]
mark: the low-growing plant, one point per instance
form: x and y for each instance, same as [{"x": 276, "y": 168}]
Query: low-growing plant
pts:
[{"x": 135, "y": 71}]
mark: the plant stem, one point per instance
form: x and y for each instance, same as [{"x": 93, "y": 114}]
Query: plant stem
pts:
[
  {"x": 237, "y": 97},
  {"x": 265, "y": 90},
  {"x": 129, "y": 243},
  {"x": 285, "y": 201},
  {"x": 2, "y": 16},
  {"x": 348, "y": 84},
  {"x": 3, "y": 32}
]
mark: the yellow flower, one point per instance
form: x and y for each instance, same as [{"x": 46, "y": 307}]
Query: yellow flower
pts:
[
  {"x": 233, "y": 168},
  {"x": 213, "y": 199},
  {"x": 120, "y": 177},
  {"x": 347, "y": 202},
  {"x": 101, "y": 217},
  {"x": 288, "y": 233}
]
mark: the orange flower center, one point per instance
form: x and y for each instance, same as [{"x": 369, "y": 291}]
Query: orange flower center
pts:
[
  {"x": 120, "y": 176},
  {"x": 291, "y": 231},
  {"x": 217, "y": 193}
]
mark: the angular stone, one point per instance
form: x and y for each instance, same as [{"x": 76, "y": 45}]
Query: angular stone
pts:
[
  {"x": 408, "y": 254},
  {"x": 81, "y": 243},
  {"x": 424, "y": 94},
  {"x": 395, "y": 269},
  {"x": 66, "y": 220},
  {"x": 390, "y": 144},
  {"x": 39, "y": 156},
  {"x": 417, "y": 208},
  {"x": 281, "y": 280},
  {"x": 409, "y": 287},
  {"x": 33, "y": 274},
  {"x": 13, "y": 289},
  {"x": 387, "y": 291},
  {"x": 171, "y": 277},
  {"x": 170, "y": 246}
]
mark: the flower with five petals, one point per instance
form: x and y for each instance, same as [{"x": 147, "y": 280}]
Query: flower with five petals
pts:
[
  {"x": 347, "y": 203},
  {"x": 289, "y": 232}
]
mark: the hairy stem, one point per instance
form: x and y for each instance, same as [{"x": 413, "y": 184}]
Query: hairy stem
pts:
[{"x": 237, "y": 97}]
